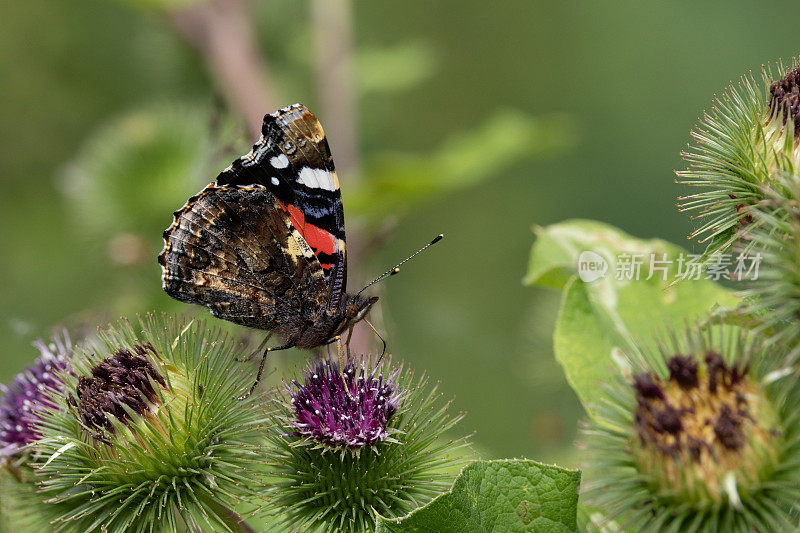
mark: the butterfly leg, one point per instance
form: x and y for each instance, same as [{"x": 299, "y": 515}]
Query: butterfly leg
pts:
[
  {"x": 261, "y": 367},
  {"x": 342, "y": 357},
  {"x": 347, "y": 343},
  {"x": 258, "y": 350}
]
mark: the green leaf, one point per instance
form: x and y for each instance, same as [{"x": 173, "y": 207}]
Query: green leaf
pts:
[
  {"x": 394, "y": 68},
  {"x": 133, "y": 172},
  {"x": 582, "y": 345},
  {"x": 601, "y": 321},
  {"x": 398, "y": 180},
  {"x": 554, "y": 256},
  {"x": 504, "y": 495}
]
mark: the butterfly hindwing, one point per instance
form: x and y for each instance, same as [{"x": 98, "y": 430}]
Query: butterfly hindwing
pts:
[
  {"x": 234, "y": 250},
  {"x": 293, "y": 161}
]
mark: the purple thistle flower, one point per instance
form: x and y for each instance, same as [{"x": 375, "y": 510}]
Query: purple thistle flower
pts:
[
  {"x": 27, "y": 395},
  {"x": 352, "y": 416}
]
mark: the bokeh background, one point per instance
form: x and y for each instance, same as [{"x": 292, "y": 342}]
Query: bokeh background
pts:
[{"x": 474, "y": 119}]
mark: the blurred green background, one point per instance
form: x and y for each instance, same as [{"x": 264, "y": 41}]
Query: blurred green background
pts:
[{"x": 474, "y": 119}]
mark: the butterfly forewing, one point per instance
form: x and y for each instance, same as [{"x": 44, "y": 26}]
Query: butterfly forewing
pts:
[{"x": 293, "y": 161}]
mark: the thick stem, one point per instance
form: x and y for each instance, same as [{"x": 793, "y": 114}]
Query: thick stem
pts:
[
  {"x": 221, "y": 31},
  {"x": 332, "y": 25}
]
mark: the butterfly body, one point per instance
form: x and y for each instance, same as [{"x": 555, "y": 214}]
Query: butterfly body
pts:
[{"x": 264, "y": 244}]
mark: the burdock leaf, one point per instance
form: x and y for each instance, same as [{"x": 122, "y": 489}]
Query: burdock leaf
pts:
[
  {"x": 582, "y": 345},
  {"x": 610, "y": 316},
  {"x": 504, "y": 495},
  {"x": 400, "y": 180},
  {"x": 138, "y": 167},
  {"x": 553, "y": 257}
]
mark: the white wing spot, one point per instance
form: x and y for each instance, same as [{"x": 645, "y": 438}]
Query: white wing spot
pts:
[
  {"x": 280, "y": 161},
  {"x": 317, "y": 178},
  {"x": 275, "y": 181}
]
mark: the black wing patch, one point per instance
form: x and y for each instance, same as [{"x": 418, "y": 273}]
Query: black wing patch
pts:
[{"x": 293, "y": 161}]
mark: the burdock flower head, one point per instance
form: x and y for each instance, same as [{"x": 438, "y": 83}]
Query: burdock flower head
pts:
[
  {"x": 784, "y": 104},
  {"x": 351, "y": 409},
  {"x": 27, "y": 395},
  {"x": 350, "y": 444},
  {"x": 149, "y": 434},
  {"x": 742, "y": 145},
  {"x": 119, "y": 388},
  {"x": 704, "y": 436}
]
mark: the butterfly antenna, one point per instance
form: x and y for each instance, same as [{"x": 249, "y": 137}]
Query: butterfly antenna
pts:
[{"x": 394, "y": 270}]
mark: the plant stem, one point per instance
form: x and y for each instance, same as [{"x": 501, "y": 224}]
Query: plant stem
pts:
[
  {"x": 331, "y": 21},
  {"x": 223, "y": 34},
  {"x": 332, "y": 27}
]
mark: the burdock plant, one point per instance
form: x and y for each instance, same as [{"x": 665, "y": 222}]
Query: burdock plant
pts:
[
  {"x": 704, "y": 435},
  {"x": 364, "y": 441},
  {"x": 148, "y": 433},
  {"x": 22, "y": 402},
  {"x": 27, "y": 395},
  {"x": 749, "y": 138},
  {"x": 772, "y": 299}
]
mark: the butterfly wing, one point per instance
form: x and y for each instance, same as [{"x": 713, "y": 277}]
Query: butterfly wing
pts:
[
  {"x": 234, "y": 250},
  {"x": 293, "y": 161}
]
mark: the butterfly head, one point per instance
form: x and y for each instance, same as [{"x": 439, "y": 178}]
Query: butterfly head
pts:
[{"x": 358, "y": 306}]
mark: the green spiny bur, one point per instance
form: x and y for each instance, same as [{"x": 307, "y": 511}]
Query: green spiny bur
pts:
[
  {"x": 703, "y": 435},
  {"x": 341, "y": 487},
  {"x": 772, "y": 299},
  {"x": 739, "y": 149},
  {"x": 187, "y": 458}
]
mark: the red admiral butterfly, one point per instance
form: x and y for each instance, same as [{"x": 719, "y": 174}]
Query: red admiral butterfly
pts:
[{"x": 264, "y": 244}]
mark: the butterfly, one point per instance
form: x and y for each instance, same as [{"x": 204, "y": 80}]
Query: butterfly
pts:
[{"x": 264, "y": 244}]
